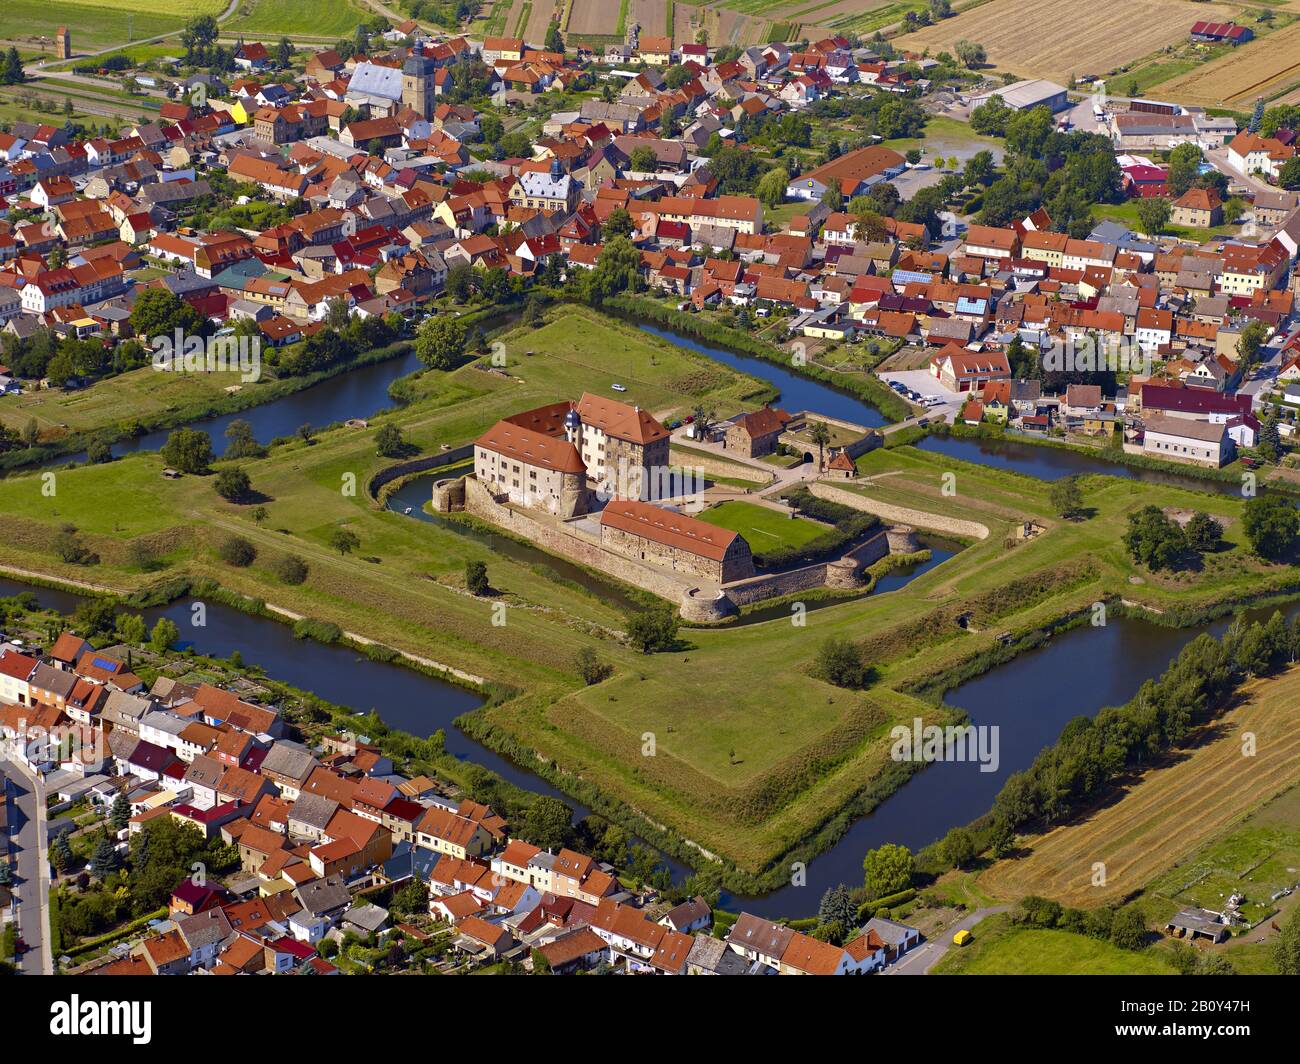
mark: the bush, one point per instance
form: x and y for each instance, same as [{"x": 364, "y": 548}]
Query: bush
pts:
[
  {"x": 321, "y": 631},
  {"x": 653, "y": 629},
  {"x": 237, "y": 551},
  {"x": 476, "y": 578},
  {"x": 591, "y": 668},
  {"x": 290, "y": 569},
  {"x": 840, "y": 662}
]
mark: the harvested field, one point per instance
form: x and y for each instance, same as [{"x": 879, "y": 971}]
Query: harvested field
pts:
[
  {"x": 1171, "y": 811},
  {"x": 1012, "y": 32},
  {"x": 1260, "y": 68},
  {"x": 540, "y": 17},
  {"x": 651, "y": 16},
  {"x": 594, "y": 18}
]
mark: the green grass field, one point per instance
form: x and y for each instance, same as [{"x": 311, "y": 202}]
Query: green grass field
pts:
[
  {"x": 765, "y": 529},
  {"x": 1000, "y": 949},
  {"x": 1127, "y": 213},
  {"x": 303, "y": 18},
  {"x": 97, "y": 24}
]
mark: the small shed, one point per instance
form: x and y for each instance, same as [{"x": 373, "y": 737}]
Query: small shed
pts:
[{"x": 1194, "y": 923}]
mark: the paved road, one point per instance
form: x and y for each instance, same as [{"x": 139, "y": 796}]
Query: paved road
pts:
[
  {"x": 28, "y": 846},
  {"x": 922, "y": 959}
]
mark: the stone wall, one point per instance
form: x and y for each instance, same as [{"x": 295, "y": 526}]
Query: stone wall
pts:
[
  {"x": 901, "y": 514},
  {"x": 419, "y": 465},
  {"x": 567, "y": 544},
  {"x": 708, "y": 465},
  {"x": 842, "y": 573}
]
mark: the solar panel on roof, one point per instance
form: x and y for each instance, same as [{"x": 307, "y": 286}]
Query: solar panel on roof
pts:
[{"x": 104, "y": 663}]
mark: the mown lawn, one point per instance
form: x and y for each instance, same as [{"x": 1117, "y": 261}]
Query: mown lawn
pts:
[
  {"x": 1000, "y": 949},
  {"x": 337, "y": 19},
  {"x": 99, "y": 24},
  {"x": 763, "y": 528}
]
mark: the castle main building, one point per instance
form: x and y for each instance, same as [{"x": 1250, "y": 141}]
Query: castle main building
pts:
[{"x": 561, "y": 458}]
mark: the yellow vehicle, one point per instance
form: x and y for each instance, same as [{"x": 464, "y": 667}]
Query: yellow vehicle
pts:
[{"x": 961, "y": 938}]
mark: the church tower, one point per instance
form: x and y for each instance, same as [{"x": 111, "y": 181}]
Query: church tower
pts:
[{"x": 417, "y": 82}]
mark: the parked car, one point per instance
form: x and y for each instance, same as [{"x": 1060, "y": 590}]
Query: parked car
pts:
[{"x": 618, "y": 387}]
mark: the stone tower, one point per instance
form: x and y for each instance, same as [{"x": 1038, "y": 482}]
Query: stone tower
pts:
[
  {"x": 63, "y": 43},
  {"x": 417, "y": 82},
  {"x": 573, "y": 429}
]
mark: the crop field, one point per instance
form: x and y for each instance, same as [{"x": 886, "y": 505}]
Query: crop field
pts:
[
  {"x": 95, "y": 24},
  {"x": 764, "y": 528},
  {"x": 1083, "y": 38},
  {"x": 298, "y": 18},
  {"x": 1261, "y": 68},
  {"x": 651, "y": 16},
  {"x": 1170, "y": 811},
  {"x": 595, "y": 18}
]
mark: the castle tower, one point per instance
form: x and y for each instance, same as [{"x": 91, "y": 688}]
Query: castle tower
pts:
[
  {"x": 573, "y": 429},
  {"x": 63, "y": 43},
  {"x": 417, "y": 82}
]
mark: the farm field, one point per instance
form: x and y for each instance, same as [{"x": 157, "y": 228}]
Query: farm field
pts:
[
  {"x": 95, "y": 25},
  {"x": 764, "y": 528},
  {"x": 1012, "y": 32},
  {"x": 1259, "y": 68},
  {"x": 298, "y": 18},
  {"x": 999, "y": 948},
  {"x": 595, "y": 18},
  {"x": 1170, "y": 811},
  {"x": 651, "y": 15}
]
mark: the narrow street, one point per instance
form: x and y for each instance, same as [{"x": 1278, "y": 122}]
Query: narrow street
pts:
[{"x": 31, "y": 868}]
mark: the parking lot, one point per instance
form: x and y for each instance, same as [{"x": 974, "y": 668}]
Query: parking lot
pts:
[{"x": 922, "y": 382}]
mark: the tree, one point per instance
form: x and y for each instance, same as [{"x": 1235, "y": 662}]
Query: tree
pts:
[
  {"x": 157, "y": 313},
  {"x": 991, "y": 117},
  {"x": 837, "y": 907},
  {"x": 1153, "y": 214},
  {"x": 554, "y": 38},
  {"x": 1128, "y": 930},
  {"x": 343, "y": 540},
  {"x": 1066, "y": 497},
  {"x": 1183, "y": 169},
  {"x": 61, "y": 853},
  {"x": 31, "y": 433},
  {"x": 839, "y": 662},
  {"x": 1257, "y": 115},
  {"x": 643, "y": 161},
  {"x": 1286, "y": 950},
  {"x": 1203, "y": 532},
  {"x": 770, "y": 189},
  {"x": 653, "y": 629},
  {"x": 233, "y": 484},
  {"x": 164, "y": 636},
  {"x": 541, "y": 966},
  {"x": 120, "y": 813},
  {"x": 240, "y": 441},
  {"x": 189, "y": 450},
  {"x": 546, "y": 822},
  {"x": 958, "y": 847},
  {"x": 389, "y": 442},
  {"x": 476, "y": 577},
  {"x": 11, "y": 73},
  {"x": 1270, "y": 437},
  {"x": 1154, "y": 540},
  {"x": 591, "y": 668},
  {"x": 820, "y": 434},
  {"x": 1270, "y": 524},
  {"x": 131, "y": 629},
  {"x": 970, "y": 53},
  {"x": 619, "y": 223},
  {"x": 440, "y": 342},
  {"x": 237, "y": 551},
  {"x": 306, "y": 433},
  {"x": 888, "y": 870},
  {"x": 617, "y": 270},
  {"x": 1249, "y": 344},
  {"x": 1289, "y": 174},
  {"x": 283, "y": 53}
]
